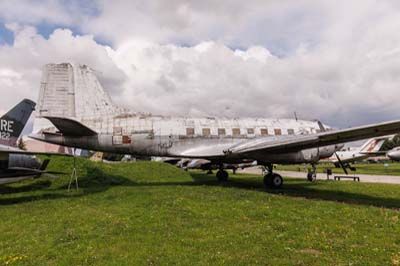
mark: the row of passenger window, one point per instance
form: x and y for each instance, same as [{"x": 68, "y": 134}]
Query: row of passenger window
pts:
[{"x": 237, "y": 132}]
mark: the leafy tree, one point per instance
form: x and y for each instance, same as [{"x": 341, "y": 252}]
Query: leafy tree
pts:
[{"x": 391, "y": 143}]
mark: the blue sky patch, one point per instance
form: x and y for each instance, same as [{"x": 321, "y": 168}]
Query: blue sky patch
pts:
[{"x": 6, "y": 36}]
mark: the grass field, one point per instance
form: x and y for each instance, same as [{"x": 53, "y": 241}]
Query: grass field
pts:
[
  {"x": 392, "y": 168},
  {"x": 154, "y": 214}
]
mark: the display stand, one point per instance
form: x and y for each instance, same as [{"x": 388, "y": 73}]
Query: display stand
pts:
[{"x": 74, "y": 174}]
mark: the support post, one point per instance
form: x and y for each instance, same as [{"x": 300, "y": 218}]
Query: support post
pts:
[{"x": 73, "y": 174}]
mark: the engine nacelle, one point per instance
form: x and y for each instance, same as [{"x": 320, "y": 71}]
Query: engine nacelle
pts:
[
  {"x": 310, "y": 155},
  {"x": 328, "y": 151}
]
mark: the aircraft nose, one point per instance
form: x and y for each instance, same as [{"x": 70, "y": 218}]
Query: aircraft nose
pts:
[{"x": 394, "y": 155}]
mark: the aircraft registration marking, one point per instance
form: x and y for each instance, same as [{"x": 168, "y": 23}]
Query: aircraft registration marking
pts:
[{"x": 6, "y": 126}]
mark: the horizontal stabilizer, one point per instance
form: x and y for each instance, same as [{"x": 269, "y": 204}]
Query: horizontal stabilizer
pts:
[{"x": 70, "y": 127}]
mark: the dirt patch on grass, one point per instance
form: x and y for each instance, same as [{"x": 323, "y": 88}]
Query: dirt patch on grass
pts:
[{"x": 311, "y": 251}]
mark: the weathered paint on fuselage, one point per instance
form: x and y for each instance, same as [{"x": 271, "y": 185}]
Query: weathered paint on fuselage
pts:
[{"x": 147, "y": 135}]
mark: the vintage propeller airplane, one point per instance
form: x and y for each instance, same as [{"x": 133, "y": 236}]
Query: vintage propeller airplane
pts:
[{"x": 83, "y": 116}]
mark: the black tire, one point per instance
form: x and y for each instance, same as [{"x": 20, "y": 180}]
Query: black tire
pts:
[
  {"x": 312, "y": 177},
  {"x": 273, "y": 180},
  {"x": 222, "y": 176}
]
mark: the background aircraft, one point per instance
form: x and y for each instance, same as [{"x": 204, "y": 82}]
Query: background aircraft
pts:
[
  {"x": 16, "y": 164},
  {"x": 203, "y": 164},
  {"x": 394, "y": 154},
  {"x": 82, "y": 113},
  {"x": 208, "y": 165},
  {"x": 353, "y": 154}
]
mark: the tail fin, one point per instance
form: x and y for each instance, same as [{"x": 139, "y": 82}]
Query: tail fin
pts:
[
  {"x": 72, "y": 91},
  {"x": 13, "y": 122},
  {"x": 372, "y": 145}
]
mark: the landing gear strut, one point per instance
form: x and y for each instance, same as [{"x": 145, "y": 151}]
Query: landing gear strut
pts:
[
  {"x": 271, "y": 179},
  {"x": 312, "y": 174}
]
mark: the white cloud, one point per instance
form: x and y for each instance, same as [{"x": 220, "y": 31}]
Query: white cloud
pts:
[
  {"x": 51, "y": 12},
  {"x": 21, "y": 63},
  {"x": 337, "y": 61}
]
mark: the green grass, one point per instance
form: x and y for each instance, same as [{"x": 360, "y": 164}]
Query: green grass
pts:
[
  {"x": 155, "y": 214},
  {"x": 393, "y": 168}
]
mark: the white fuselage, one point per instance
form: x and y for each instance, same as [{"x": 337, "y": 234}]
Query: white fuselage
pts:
[{"x": 147, "y": 135}]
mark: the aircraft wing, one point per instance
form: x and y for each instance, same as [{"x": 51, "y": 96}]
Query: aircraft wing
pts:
[
  {"x": 296, "y": 142},
  {"x": 12, "y": 150}
]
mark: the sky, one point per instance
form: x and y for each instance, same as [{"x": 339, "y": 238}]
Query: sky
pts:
[{"x": 336, "y": 61}]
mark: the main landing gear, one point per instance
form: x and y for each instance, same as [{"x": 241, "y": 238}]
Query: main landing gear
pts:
[
  {"x": 271, "y": 179},
  {"x": 312, "y": 174}
]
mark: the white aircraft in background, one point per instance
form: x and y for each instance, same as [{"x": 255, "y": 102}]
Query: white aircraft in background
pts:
[
  {"x": 394, "y": 154},
  {"x": 352, "y": 154}
]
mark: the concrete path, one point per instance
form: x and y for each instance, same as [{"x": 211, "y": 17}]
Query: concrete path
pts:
[{"x": 389, "y": 179}]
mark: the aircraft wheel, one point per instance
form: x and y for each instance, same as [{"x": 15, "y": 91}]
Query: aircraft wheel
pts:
[
  {"x": 273, "y": 180},
  {"x": 312, "y": 177},
  {"x": 222, "y": 176}
]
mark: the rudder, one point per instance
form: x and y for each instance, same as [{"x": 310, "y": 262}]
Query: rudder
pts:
[{"x": 72, "y": 91}]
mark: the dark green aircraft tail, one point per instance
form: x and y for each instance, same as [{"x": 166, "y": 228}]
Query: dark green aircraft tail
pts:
[{"x": 13, "y": 122}]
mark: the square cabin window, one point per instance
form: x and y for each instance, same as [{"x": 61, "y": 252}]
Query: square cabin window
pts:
[
  {"x": 290, "y": 131},
  {"x": 264, "y": 132},
  {"x": 190, "y": 131},
  {"x": 250, "y": 131},
  {"x": 206, "y": 132},
  {"x": 236, "y": 132},
  {"x": 117, "y": 130},
  {"x": 221, "y": 132},
  {"x": 277, "y": 131}
]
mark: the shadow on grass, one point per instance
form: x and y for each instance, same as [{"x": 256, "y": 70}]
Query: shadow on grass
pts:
[
  {"x": 97, "y": 181},
  {"x": 94, "y": 181},
  {"x": 299, "y": 189},
  {"x": 41, "y": 184}
]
